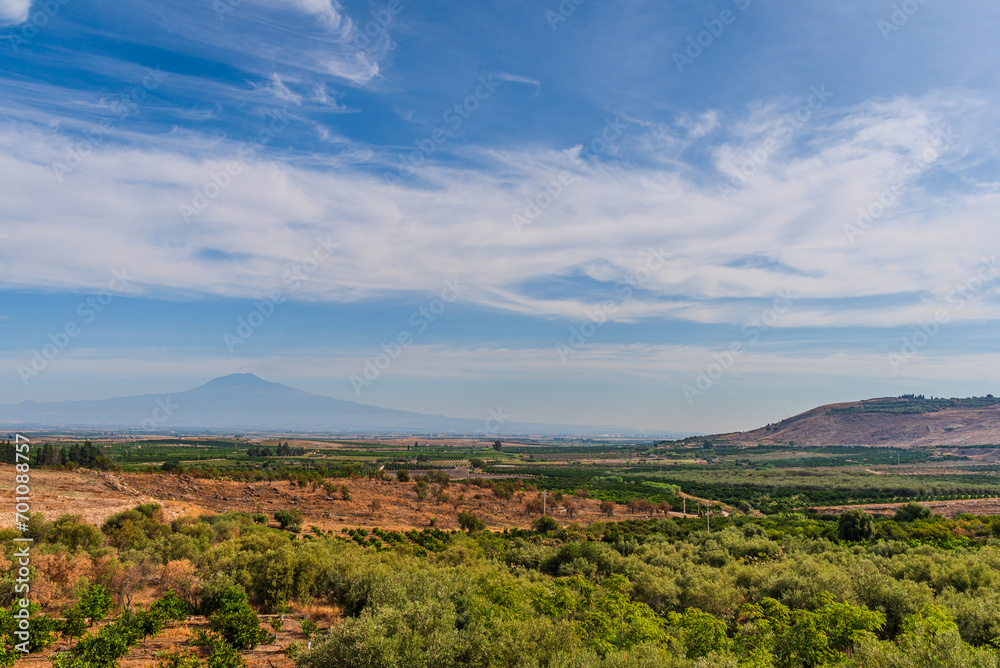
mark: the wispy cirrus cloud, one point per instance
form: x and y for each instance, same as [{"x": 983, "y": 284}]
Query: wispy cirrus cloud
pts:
[{"x": 456, "y": 223}]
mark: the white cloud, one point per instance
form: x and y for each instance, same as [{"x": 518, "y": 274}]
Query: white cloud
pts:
[
  {"x": 13, "y": 12},
  {"x": 276, "y": 87},
  {"x": 123, "y": 206},
  {"x": 516, "y": 78}
]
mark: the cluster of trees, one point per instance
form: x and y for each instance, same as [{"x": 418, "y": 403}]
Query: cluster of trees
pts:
[
  {"x": 8, "y": 453},
  {"x": 909, "y": 403},
  {"x": 86, "y": 454},
  {"x": 779, "y": 591},
  {"x": 282, "y": 450}
]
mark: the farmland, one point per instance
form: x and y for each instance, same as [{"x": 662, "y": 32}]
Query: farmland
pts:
[{"x": 679, "y": 536}]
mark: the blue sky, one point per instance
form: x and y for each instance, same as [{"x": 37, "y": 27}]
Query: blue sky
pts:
[{"x": 697, "y": 216}]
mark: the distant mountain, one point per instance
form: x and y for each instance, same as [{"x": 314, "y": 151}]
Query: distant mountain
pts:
[
  {"x": 890, "y": 421},
  {"x": 244, "y": 402}
]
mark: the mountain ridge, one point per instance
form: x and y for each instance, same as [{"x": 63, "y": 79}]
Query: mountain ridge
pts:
[{"x": 246, "y": 402}]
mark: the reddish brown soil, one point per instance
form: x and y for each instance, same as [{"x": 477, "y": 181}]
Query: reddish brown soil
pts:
[
  {"x": 98, "y": 495},
  {"x": 949, "y": 509}
]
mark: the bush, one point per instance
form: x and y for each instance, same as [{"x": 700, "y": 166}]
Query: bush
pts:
[
  {"x": 178, "y": 660},
  {"x": 912, "y": 511},
  {"x": 402, "y": 475},
  {"x": 855, "y": 525},
  {"x": 309, "y": 628},
  {"x": 94, "y": 603},
  {"x": 545, "y": 524},
  {"x": 469, "y": 521},
  {"x": 288, "y": 518},
  {"x": 224, "y": 655},
  {"x": 259, "y": 518},
  {"x": 74, "y": 533},
  {"x": 170, "y": 607},
  {"x": 236, "y": 622}
]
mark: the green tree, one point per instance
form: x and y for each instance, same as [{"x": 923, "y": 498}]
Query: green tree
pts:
[
  {"x": 169, "y": 607},
  {"x": 288, "y": 518},
  {"x": 469, "y": 521},
  {"x": 545, "y": 524},
  {"x": 236, "y": 622},
  {"x": 855, "y": 525},
  {"x": 912, "y": 511},
  {"x": 225, "y": 655},
  {"x": 309, "y": 628},
  {"x": 95, "y": 603},
  {"x": 701, "y": 632}
]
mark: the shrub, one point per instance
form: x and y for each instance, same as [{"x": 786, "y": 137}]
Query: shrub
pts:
[
  {"x": 545, "y": 524},
  {"x": 469, "y": 521},
  {"x": 912, "y": 511},
  {"x": 74, "y": 533},
  {"x": 236, "y": 622},
  {"x": 402, "y": 475},
  {"x": 94, "y": 603},
  {"x": 178, "y": 660},
  {"x": 224, "y": 655},
  {"x": 855, "y": 525},
  {"x": 288, "y": 518},
  {"x": 170, "y": 607}
]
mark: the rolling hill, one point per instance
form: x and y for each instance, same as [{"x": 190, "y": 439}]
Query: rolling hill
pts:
[{"x": 889, "y": 421}]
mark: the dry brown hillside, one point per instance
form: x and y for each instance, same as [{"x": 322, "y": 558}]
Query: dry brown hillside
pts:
[{"x": 956, "y": 425}]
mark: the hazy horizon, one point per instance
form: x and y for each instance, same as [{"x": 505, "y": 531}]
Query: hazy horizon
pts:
[{"x": 699, "y": 218}]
